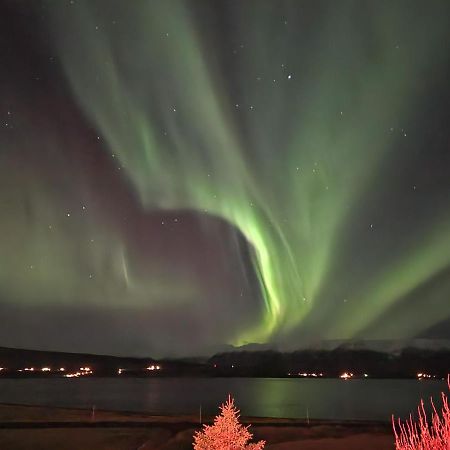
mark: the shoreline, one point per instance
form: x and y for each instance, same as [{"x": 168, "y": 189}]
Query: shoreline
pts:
[
  {"x": 39, "y": 427},
  {"x": 120, "y": 416}
]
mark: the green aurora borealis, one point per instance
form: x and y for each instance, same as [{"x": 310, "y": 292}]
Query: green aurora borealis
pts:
[{"x": 306, "y": 126}]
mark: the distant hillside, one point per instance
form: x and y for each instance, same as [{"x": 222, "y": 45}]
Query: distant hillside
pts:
[
  {"x": 379, "y": 345},
  {"x": 17, "y": 362},
  {"x": 261, "y": 362},
  {"x": 407, "y": 363},
  {"x": 15, "y": 359}
]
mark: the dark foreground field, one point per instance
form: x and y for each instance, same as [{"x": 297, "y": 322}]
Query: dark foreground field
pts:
[{"x": 27, "y": 427}]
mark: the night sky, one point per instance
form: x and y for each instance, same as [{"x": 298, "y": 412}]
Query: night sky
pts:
[{"x": 177, "y": 176}]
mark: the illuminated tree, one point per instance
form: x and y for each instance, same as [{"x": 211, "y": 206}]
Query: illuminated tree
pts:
[
  {"x": 421, "y": 435},
  {"x": 226, "y": 433}
]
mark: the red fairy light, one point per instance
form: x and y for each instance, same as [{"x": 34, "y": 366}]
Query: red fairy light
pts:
[
  {"x": 424, "y": 435},
  {"x": 226, "y": 433}
]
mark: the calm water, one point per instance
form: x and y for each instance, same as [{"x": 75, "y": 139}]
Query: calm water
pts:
[{"x": 273, "y": 397}]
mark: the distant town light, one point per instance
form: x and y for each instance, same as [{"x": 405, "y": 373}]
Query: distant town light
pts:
[
  {"x": 83, "y": 371},
  {"x": 72, "y": 375},
  {"x": 309, "y": 375},
  {"x": 346, "y": 375},
  {"x": 45, "y": 369},
  {"x": 422, "y": 376}
]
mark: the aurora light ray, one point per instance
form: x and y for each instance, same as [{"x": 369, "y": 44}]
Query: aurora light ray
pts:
[
  {"x": 155, "y": 69},
  {"x": 259, "y": 171}
]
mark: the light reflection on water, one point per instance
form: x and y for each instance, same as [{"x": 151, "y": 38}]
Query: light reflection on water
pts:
[{"x": 264, "y": 397}]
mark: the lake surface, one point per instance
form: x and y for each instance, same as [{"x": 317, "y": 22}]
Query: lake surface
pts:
[{"x": 259, "y": 397}]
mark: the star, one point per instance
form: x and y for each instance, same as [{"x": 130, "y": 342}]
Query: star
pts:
[{"x": 272, "y": 232}]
